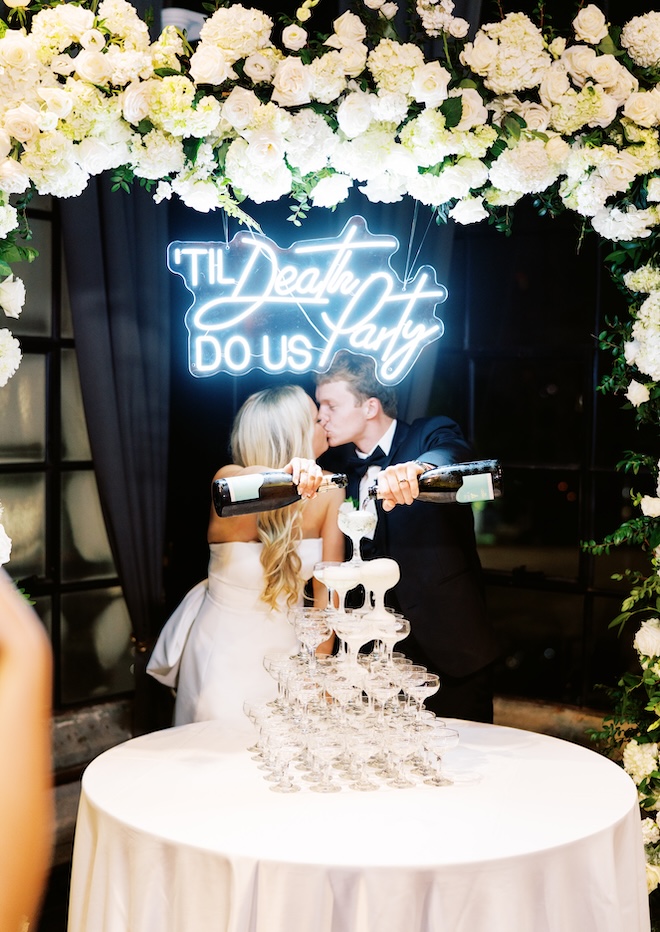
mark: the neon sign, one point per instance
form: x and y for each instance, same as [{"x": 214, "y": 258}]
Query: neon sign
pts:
[{"x": 256, "y": 305}]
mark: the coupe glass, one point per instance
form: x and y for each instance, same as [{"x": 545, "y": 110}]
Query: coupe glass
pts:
[
  {"x": 356, "y": 525},
  {"x": 319, "y": 574},
  {"x": 284, "y": 746},
  {"x": 420, "y": 692},
  {"x": 342, "y": 577},
  {"x": 326, "y": 747},
  {"x": 390, "y": 631},
  {"x": 437, "y": 741},
  {"x": 378, "y": 577},
  {"x": 361, "y": 748},
  {"x": 312, "y": 628}
]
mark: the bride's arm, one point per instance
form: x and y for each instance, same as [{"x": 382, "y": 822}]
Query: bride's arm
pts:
[{"x": 26, "y": 815}]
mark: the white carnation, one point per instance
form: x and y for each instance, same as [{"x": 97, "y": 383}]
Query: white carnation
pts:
[
  {"x": 469, "y": 210},
  {"x": 10, "y": 356},
  {"x": 331, "y": 191}
]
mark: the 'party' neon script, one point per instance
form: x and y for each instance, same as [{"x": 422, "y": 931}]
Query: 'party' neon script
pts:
[{"x": 257, "y": 305}]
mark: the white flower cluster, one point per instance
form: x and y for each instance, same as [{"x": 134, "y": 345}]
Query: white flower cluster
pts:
[
  {"x": 5, "y": 542},
  {"x": 640, "y": 760},
  {"x": 82, "y": 92}
]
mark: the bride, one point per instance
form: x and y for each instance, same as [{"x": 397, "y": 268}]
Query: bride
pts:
[{"x": 212, "y": 647}]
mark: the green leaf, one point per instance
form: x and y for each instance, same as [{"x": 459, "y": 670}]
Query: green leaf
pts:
[{"x": 452, "y": 110}]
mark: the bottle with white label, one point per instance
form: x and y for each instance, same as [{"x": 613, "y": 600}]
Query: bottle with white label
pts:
[
  {"x": 262, "y": 491},
  {"x": 479, "y": 481}
]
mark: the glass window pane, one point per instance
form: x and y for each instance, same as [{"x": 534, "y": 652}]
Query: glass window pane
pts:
[
  {"x": 85, "y": 548},
  {"x": 532, "y": 531},
  {"x": 35, "y": 319},
  {"x": 541, "y": 637},
  {"x": 75, "y": 442},
  {"x": 23, "y": 413},
  {"x": 96, "y": 657},
  {"x": 542, "y": 399},
  {"x": 66, "y": 322},
  {"x": 24, "y": 501},
  {"x": 613, "y": 507}
]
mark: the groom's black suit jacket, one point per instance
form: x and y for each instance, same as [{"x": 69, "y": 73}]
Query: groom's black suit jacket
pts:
[{"x": 440, "y": 591}]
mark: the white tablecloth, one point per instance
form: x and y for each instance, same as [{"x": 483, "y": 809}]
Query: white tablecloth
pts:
[{"x": 178, "y": 833}]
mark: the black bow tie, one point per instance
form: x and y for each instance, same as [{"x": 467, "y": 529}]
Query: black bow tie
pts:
[{"x": 358, "y": 465}]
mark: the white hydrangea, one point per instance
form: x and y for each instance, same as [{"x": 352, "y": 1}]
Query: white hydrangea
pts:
[
  {"x": 643, "y": 280},
  {"x": 510, "y": 55},
  {"x": 437, "y": 18},
  {"x": 528, "y": 167},
  {"x": 328, "y": 79},
  {"x": 646, "y": 338},
  {"x": 156, "y": 155},
  {"x": 591, "y": 106},
  {"x": 121, "y": 19},
  {"x": 171, "y": 108},
  {"x": 385, "y": 188},
  {"x": 56, "y": 28},
  {"x": 640, "y": 760},
  {"x": 51, "y": 163},
  {"x": 393, "y": 64},
  {"x": 364, "y": 157},
  {"x": 8, "y": 219},
  {"x": 650, "y": 831},
  {"x": 238, "y": 31},
  {"x": 309, "y": 142},
  {"x": 641, "y": 39}
]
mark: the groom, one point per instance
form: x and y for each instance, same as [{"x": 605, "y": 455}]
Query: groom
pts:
[{"x": 440, "y": 591}]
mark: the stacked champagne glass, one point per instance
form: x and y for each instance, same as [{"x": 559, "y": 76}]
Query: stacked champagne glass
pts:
[{"x": 357, "y": 718}]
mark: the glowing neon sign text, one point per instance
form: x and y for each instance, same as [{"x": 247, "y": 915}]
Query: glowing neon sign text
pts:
[{"x": 256, "y": 305}]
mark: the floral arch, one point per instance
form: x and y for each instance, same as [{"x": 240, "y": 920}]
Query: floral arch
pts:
[{"x": 267, "y": 111}]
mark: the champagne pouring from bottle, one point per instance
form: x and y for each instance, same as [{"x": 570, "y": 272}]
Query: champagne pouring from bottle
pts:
[{"x": 263, "y": 491}]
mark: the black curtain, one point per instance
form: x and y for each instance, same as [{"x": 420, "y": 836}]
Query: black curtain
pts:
[{"x": 115, "y": 246}]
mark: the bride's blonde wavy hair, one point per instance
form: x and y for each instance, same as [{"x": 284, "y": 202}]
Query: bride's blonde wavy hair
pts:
[{"x": 271, "y": 427}]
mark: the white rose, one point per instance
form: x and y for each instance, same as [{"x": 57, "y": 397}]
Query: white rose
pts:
[
  {"x": 606, "y": 71},
  {"x": 642, "y": 108},
  {"x": 652, "y": 876},
  {"x": 239, "y": 108},
  {"x": 16, "y": 4},
  {"x": 535, "y": 115},
  {"x": 474, "y": 113},
  {"x": 5, "y": 540},
  {"x": 292, "y": 83},
  {"x": 259, "y": 67},
  {"x": 5, "y": 144},
  {"x": 13, "y": 177},
  {"x": 95, "y": 156},
  {"x": 17, "y": 50},
  {"x": 10, "y": 357},
  {"x": 22, "y": 123},
  {"x": 58, "y": 101},
  {"x": 354, "y": 114},
  {"x": 555, "y": 84},
  {"x": 637, "y": 394},
  {"x": 12, "y": 296},
  {"x": 349, "y": 30},
  {"x": 480, "y": 54},
  {"x": 650, "y": 506},
  {"x": 208, "y": 65},
  {"x": 590, "y": 25},
  {"x": 331, "y": 191},
  {"x": 266, "y": 149},
  {"x": 429, "y": 84},
  {"x": 579, "y": 60},
  {"x": 353, "y": 59},
  {"x": 135, "y": 101},
  {"x": 647, "y": 639},
  {"x": 389, "y": 11},
  {"x": 93, "y": 39},
  {"x": 294, "y": 37},
  {"x": 92, "y": 67}
]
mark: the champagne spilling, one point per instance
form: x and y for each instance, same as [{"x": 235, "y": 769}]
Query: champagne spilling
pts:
[
  {"x": 265, "y": 491},
  {"x": 478, "y": 481}
]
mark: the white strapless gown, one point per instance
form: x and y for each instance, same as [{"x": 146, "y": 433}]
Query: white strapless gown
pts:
[{"x": 212, "y": 647}]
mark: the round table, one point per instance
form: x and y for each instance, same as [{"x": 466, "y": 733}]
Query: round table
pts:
[{"x": 179, "y": 832}]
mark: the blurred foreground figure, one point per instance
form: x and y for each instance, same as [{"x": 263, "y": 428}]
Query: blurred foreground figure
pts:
[{"x": 26, "y": 807}]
